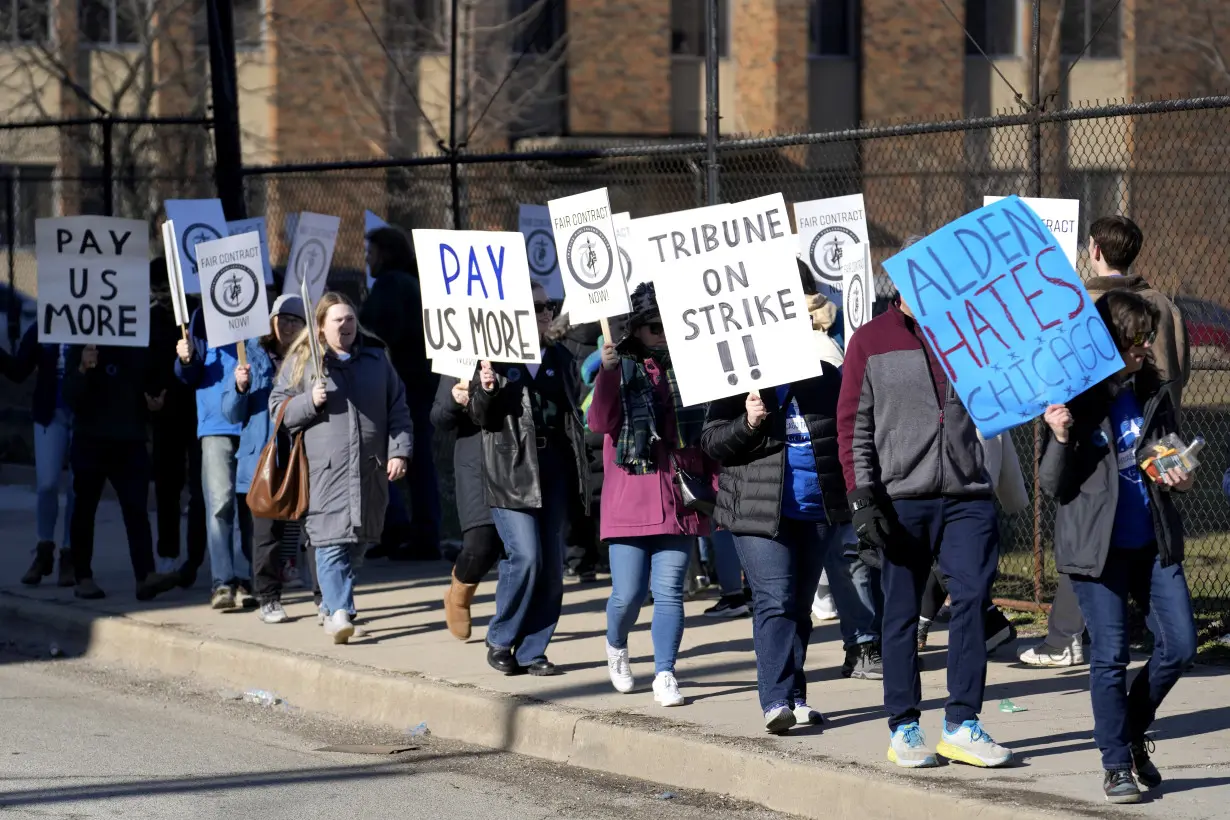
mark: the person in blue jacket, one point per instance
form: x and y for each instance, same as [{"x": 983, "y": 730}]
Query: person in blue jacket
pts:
[
  {"x": 208, "y": 369},
  {"x": 53, "y": 424},
  {"x": 245, "y": 401}
]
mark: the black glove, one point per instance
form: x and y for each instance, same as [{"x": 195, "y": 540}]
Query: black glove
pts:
[{"x": 871, "y": 523}]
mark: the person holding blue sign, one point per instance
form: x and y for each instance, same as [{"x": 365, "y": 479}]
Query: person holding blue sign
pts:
[
  {"x": 1118, "y": 535},
  {"x": 919, "y": 491}
]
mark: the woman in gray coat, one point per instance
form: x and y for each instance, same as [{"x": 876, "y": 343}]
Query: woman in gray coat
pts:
[{"x": 357, "y": 435}]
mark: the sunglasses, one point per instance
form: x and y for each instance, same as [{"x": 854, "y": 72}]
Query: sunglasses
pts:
[
  {"x": 1142, "y": 339},
  {"x": 542, "y": 307}
]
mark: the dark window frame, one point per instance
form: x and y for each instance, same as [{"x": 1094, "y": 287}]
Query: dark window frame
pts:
[
  {"x": 680, "y": 46},
  {"x": 981, "y": 16},
  {"x": 1108, "y": 46},
  {"x": 817, "y": 30}
]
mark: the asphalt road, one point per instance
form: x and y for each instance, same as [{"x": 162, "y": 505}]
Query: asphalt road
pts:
[{"x": 79, "y": 741}]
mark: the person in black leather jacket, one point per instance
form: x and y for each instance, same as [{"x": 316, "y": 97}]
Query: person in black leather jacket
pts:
[{"x": 533, "y": 461}]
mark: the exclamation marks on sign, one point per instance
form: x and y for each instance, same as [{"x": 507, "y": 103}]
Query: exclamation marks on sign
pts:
[{"x": 728, "y": 364}]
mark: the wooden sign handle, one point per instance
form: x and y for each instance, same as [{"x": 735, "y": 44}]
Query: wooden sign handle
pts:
[
  {"x": 606, "y": 331},
  {"x": 241, "y": 351}
]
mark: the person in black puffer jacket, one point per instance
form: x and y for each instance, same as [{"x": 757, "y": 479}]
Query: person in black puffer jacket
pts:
[{"x": 586, "y": 554}]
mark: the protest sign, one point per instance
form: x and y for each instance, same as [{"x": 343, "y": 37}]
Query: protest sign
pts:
[
  {"x": 371, "y": 222},
  {"x": 196, "y": 221},
  {"x": 93, "y": 281},
  {"x": 175, "y": 279},
  {"x": 535, "y": 224},
  {"x": 1006, "y": 314},
  {"x": 477, "y": 299},
  {"x": 831, "y": 231},
  {"x": 257, "y": 224},
  {"x": 728, "y": 289},
  {"x": 1061, "y": 216},
  {"x": 623, "y": 238},
  {"x": 588, "y": 257},
  {"x": 311, "y": 253},
  {"x": 233, "y": 299},
  {"x": 461, "y": 368},
  {"x": 857, "y": 290}
]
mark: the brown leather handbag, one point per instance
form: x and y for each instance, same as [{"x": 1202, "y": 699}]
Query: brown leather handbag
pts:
[{"x": 279, "y": 489}]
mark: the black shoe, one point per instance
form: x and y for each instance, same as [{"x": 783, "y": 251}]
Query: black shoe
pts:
[
  {"x": 1120, "y": 787},
  {"x": 502, "y": 661},
  {"x": 68, "y": 576},
  {"x": 87, "y": 590},
  {"x": 999, "y": 631},
  {"x": 847, "y": 666},
  {"x": 187, "y": 576},
  {"x": 44, "y": 564},
  {"x": 571, "y": 574},
  {"x": 729, "y": 606},
  {"x": 155, "y": 584},
  {"x": 1146, "y": 772},
  {"x": 587, "y": 577},
  {"x": 870, "y": 666},
  {"x": 378, "y": 551},
  {"x": 542, "y": 669}
]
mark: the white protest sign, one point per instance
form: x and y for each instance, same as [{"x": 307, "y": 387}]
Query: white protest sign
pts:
[
  {"x": 830, "y": 231},
  {"x": 477, "y": 296},
  {"x": 311, "y": 253},
  {"x": 588, "y": 257},
  {"x": 857, "y": 290},
  {"x": 534, "y": 222},
  {"x": 654, "y": 241},
  {"x": 623, "y": 236},
  {"x": 459, "y": 368},
  {"x": 1061, "y": 216},
  {"x": 93, "y": 281},
  {"x": 732, "y": 305},
  {"x": 257, "y": 224},
  {"x": 175, "y": 279},
  {"x": 196, "y": 221},
  {"x": 371, "y": 222},
  {"x": 233, "y": 298}
]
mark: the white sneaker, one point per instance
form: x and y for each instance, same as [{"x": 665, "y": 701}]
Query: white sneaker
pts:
[
  {"x": 908, "y": 748},
  {"x": 273, "y": 613},
  {"x": 339, "y": 627},
  {"x": 1046, "y": 655},
  {"x": 807, "y": 716},
  {"x": 970, "y": 744},
  {"x": 822, "y": 607},
  {"x": 779, "y": 719},
  {"x": 666, "y": 690},
  {"x": 621, "y": 671}
]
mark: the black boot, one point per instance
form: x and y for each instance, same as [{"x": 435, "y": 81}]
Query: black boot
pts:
[
  {"x": 68, "y": 575},
  {"x": 44, "y": 564},
  {"x": 852, "y": 655}
]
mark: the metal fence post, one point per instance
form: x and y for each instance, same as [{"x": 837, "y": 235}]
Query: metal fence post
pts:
[
  {"x": 108, "y": 168},
  {"x": 712, "y": 196},
  {"x": 453, "y": 171},
  {"x": 10, "y": 240},
  {"x": 1035, "y": 190}
]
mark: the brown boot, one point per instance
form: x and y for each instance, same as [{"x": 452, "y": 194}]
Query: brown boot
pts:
[{"x": 457, "y": 608}]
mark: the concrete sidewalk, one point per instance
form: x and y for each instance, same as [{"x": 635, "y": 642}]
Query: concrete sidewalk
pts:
[{"x": 410, "y": 670}]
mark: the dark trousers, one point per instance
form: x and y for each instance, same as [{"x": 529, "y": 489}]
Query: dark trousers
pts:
[
  {"x": 267, "y": 537},
  {"x": 126, "y": 465},
  {"x": 481, "y": 550},
  {"x": 963, "y": 535},
  {"x": 177, "y": 460},
  {"x": 783, "y": 573},
  {"x": 1119, "y": 716}
]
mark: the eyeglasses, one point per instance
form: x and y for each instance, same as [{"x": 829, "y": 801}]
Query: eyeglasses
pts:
[
  {"x": 1142, "y": 339},
  {"x": 655, "y": 328},
  {"x": 542, "y": 307}
]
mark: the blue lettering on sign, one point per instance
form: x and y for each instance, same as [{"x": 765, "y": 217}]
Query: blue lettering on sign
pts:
[
  {"x": 1005, "y": 313},
  {"x": 450, "y": 269}
]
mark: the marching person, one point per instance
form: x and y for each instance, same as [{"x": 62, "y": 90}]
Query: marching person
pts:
[
  {"x": 245, "y": 401},
  {"x": 1118, "y": 536},
  {"x": 533, "y": 459},
  {"x": 780, "y": 493},
  {"x": 649, "y": 435},
  {"x": 481, "y": 547},
  {"x": 53, "y": 426},
  {"x": 931, "y": 500},
  {"x": 357, "y": 436}
]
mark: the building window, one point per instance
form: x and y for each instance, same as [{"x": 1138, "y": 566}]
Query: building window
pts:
[
  {"x": 24, "y": 21},
  {"x": 688, "y": 28},
  {"x": 111, "y": 23},
  {"x": 418, "y": 26},
  {"x": 33, "y": 197},
  {"x": 248, "y": 23},
  {"x": 993, "y": 26},
  {"x": 831, "y": 28},
  {"x": 1081, "y": 18}
]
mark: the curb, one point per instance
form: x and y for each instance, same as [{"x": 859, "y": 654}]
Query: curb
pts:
[{"x": 674, "y": 754}]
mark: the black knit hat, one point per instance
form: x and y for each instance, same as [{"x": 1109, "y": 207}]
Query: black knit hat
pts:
[{"x": 644, "y": 306}]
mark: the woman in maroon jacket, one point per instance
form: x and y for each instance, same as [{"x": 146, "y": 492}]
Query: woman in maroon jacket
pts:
[{"x": 648, "y": 432}]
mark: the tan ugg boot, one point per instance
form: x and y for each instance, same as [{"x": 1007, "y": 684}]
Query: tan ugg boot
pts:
[{"x": 457, "y": 608}]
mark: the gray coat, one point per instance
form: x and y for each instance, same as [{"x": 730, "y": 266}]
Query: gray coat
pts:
[{"x": 349, "y": 441}]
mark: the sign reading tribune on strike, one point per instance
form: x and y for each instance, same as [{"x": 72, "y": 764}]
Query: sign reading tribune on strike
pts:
[{"x": 1006, "y": 314}]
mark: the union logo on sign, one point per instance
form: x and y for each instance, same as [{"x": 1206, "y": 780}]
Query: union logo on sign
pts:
[
  {"x": 234, "y": 290},
  {"x": 195, "y": 234},
  {"x": 310, "y": 262},
  {"x": 540, "y": 250},
  {"x": 828, "y": 248},
  {"x": 590, "y": 258}
]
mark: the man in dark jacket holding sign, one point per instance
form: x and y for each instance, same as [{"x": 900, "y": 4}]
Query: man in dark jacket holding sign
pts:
[{"x": 918, "y": 492}]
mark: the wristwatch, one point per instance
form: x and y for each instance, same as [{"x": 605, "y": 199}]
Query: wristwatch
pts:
[{"x": 860, "y": 503}]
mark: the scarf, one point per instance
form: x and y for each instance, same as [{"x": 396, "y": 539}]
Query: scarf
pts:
[{"x": 639, "y": 431}]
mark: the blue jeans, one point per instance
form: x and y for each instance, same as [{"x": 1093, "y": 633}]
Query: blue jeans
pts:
[
  {"x": 783, "y": 574},
  {"x": 229, "y": 563},
  {"x": 1120, "y": 716},
  {"x": 530, "y": 591},
  {"x": 637, "y": 564},
  {"x": 964, "y": 534},
  {"x": 335, "y": 572},
  {"x": 51, "y": 443},
  {"x": 856, "y": 592},
  {"x": 720, "y": 548}
]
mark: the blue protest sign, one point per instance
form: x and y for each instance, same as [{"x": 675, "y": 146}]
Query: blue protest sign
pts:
[
  {"x": 257, "y": 224},
  {"x": 1006, "y": 313},
  {"x": 370, "y": 223},
  {"x": 196, "y": 220}
]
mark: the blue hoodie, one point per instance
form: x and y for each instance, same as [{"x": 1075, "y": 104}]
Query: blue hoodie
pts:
[
  {"x": 208, "y": 372},
  {"x": 250, "y": 409}
]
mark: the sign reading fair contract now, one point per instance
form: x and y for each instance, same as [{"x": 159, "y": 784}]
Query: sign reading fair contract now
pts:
[
  {"x": 477, "y": 298},
  {"x": 233, "y": 296},
  {"x": 1006, "y": 314},
  {"x": 93, "y": 281},
  {"x": 588, "y": 252}
]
